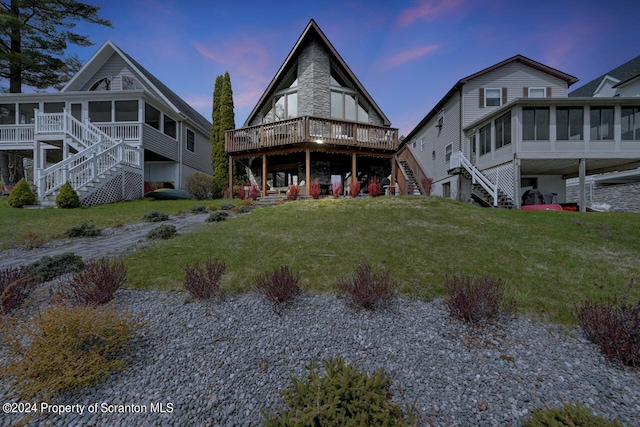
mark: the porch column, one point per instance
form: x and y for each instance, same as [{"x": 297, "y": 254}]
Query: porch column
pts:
[
  {"x": 516, "y": 183},
  {"x": 354, "y": 172},
  {"x": 307, "y": 176},
  {"x": 582, "y": 172},
  {"x": 231, "y": 176},
  {"x": 36, "y": 167},
  {"x": 393, "y": 171},
  {"x": 265, "y": 171}
]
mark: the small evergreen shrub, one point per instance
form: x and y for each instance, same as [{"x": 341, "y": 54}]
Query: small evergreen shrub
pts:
[
  {"x": 314, "y": 188},
  {"x": 614, "y": 326},
  {"x": 374, "y": 188},
  {"x": 200, "y": 186},
  {"x": 354, "y": 188},
  {"x": 204, "y": 282},
  {"x": 198, "y": 209},
  {"x": 218, "y": 216},
  {"x": 474, "y": 299},
  {"x": 21, "y": 195},
  {"x": 245, "y": 209},
  {"x": 570, "y": 415},
  {"x": 279, "y": 286},
  {"x": 66, "y": 348},
  {"x": 336, "y": 187},
  {"x": 31, "y": 240},
  {"x": 96, "y": 284},
  {"x": 164, "y": 232},
  {"x": 67, "y": 198},
  {"x": 48, "y": 268},
  {"x": 342, "y": 397},
  {"x": 227, "y": 206},
  {"x": 155, "y": 216},
  {"x": 294, "y": 191},
  {"x": 16, "y": 284},
  {"x": 368, "y": 288},
  {"x": 83, "y": 230}
]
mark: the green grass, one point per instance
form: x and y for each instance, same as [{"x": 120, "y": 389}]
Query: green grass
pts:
[{"x": 549, "y": 260}]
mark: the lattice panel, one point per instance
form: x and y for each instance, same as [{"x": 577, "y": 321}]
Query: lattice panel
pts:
[{"x": 115, "y": 190}]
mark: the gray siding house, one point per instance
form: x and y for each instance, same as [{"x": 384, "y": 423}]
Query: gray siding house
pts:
[{"x": 114, "y": 132}]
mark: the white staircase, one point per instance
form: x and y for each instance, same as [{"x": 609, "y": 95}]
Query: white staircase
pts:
[
  {"x": 494, "y": 187},
  {"x": 103, "y": 170}
]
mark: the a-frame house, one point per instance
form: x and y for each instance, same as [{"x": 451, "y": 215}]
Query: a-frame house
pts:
[{"x": 315, "y": 120}]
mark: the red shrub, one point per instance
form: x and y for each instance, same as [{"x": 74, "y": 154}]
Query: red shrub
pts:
[
  {"x": 280, "y": 286},
  {"x": 16, "y": 284},
  {"x": 254, "y": 192},
  {"x": 374, "y": 188},
  {"x": 204, "y": 282},
  {"x": 474, "y": 299},
  {"x": 614, "y": 326},
  {"x": 427, "y": 184},
  {"x": 368, "y": 288},
  {"x": 354, "y": 188},
  {"x": 294, "y": 190},
  {"x": 337, "y": 189},
  {"x": 314, "y": 189},
  {"x": 97, "y": 283},
  {"x": 241, "y": 192}
]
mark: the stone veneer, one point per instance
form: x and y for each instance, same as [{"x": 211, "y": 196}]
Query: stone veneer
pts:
[{"x": 621, "y": 197}]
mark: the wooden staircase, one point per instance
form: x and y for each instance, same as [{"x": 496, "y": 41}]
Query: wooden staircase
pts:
[{"x": 412, "y": 185}]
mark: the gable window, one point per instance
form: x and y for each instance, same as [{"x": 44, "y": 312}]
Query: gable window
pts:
[
  {"x": 503, "y": 130},
  {"x": 448, "y": 150},
  {"x": 284, "y": 104},
  {"x": 130, "y": 83},
  {"x": 484, "y": 137},
  {"x": 191, "y": 141},
  {"x": 535, "y": 123},
  {"x": 440, "y": 118},
  {"x": 537, "y": 92},
  {"x": 601, "y": 123},
  {"x": 492, "y": 97},
  {"x": 569, "y": 123},
  {"x": 151, "y": 116},
  {"x": 126, "y": 111},
  {"x": 630, "y": 123},
  {"x": 102, "y": 84}
]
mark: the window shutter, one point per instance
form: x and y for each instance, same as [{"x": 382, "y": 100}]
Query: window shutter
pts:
[
  {"x": 525, "y": 92},
  {"x": 481, "y": 91},
  {"x": 504, "y": 95},
  {"x": 548, "y": 92}
]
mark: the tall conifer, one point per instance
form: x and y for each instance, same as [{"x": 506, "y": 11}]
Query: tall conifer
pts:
[{"x": 222, "y": 119}]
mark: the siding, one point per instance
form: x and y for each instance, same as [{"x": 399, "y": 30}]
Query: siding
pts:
[
  {"x": 156, "y": 141},
  {"x": 201, "y": 159}
]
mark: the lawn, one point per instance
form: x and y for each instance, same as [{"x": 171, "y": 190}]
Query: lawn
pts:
[{"x": 549, "y": 260}]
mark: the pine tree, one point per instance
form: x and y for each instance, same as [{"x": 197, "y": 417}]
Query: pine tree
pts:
[{"x": 222, "y": 119}]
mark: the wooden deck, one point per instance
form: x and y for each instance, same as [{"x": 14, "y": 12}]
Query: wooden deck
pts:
[{"x": 311, "y": 130}]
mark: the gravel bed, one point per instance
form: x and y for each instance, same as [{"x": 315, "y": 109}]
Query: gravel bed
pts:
[{"x": 219, "y": 362}]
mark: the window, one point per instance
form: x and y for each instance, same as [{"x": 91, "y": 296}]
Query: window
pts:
[
  {"x": 630, "y": 123},
  {"x": 448, "y": 150},
  {"x": 151, "y": 116},
  {"x": 503, "y": 130},
  {"x": 537, "y": 92},
  {"x": 345, "y": 103},
  {"x": 422, "y": 144},
  {"x": 100, "y": 111},
  {"x": 440, "y": 118},
  {"x": 191, "y": 141},
  {"x": 569, "y": 123},
  {"x": 446, "y": 190},
  {"x": 601, "y": 123},
  {"x": 126, "y": 111},
  {"x": 493, "y": 97},
  {"x": 484, "y": 135},
  {"x": 535, "y": 124},
  {"x": 130, "y": 83},
  {"x": 102, "y": 84},
  {"x": 284, "y": 105},
  {"x": 169, "y": 127},
  {"x": 413, "y": 144},
  {"x": 26, "y": 113},
  {"x": 7, "y": 114},
  {"x": 76, "y": 111},
  {"x": 53, "y": 107}
]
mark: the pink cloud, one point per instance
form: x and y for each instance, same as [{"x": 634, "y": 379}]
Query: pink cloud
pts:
[
  {"x": 428, "y": 10},
  {"x": 407, "y": 55}
]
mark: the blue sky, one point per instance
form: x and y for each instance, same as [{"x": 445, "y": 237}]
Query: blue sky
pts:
[{"x": 407, "y": 53}]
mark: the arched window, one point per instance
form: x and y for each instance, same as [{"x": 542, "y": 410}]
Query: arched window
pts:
[{"x": 102, "y": 84}]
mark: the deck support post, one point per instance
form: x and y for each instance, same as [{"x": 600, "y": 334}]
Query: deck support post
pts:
[
  {"x": 265, "y": 171},
  {"x": 354, "y": 172},
  {"x": 516, "y": 183},
  {"x": 307, "y": 176},
  {"x": 231, "y": 176},
  {"x": 582, "y": 172}
]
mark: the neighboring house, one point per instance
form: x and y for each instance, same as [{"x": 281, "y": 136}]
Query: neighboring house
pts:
[
  {"x": 512, "y": 127},
  {"x": 315, "y": 120},
  {"x": 113, "y": 132}
]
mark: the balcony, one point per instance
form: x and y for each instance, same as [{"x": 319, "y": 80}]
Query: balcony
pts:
[{"x": 301, "y": 130}]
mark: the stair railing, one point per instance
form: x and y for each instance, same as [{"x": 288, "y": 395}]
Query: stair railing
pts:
[
  {"x": 84, "y": 133},
  {"x": 459, "y": 160}
]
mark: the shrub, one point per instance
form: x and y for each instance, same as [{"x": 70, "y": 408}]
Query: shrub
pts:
[
  {"x": 280, "y": 286},
  {"x": 83, "y": 230},
  {"x": 48, "y": 268},
  {"x": 155, "y": 216},
  {"x": 474, "y": 299},
  {"x": 66, "y": 348},
  {"x": 247, "y": 202},
  {"x": 294, "y": 190},
  {"x": 204, "y": 282},
  {"x": 218, "y": 216},
  {"x": 164, "y": 232},
  {"x": 96, "y": 284},
  {"x": 67, "y": 198},
  {"x": 367, "y": 288},
  {"x": 314, "y": 189},
  {"x": 21, "y": 195},
  {"x": 245, "y": 209},
  {"x": 342, "y": 397},
  {"x": 227, "y": 206},
  {"x": 200, "y": 186},
  {"x": 198, "y": 209},
  {"x": 31, "y": 240},
  {"x": 374, "y": 188},
  {"x": 213, "y": 208},
  {"x": 427, "y": 185},
  {"x": 574, "y": 415},
  {"x": 337, "y": 189},
  {"x": 254, "y": 192},
  {"x": 354, "y": 188},
  {"x": 241, "y": 192},
  {"x": 614, "y": 326},
  {"x": 16, "y": 284}
]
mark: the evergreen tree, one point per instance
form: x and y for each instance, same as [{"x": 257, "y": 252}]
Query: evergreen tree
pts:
[{"x": 222, "y": 119}]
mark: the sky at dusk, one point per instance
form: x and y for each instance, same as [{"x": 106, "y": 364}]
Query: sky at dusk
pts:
[{"x": 407, "y": 54}]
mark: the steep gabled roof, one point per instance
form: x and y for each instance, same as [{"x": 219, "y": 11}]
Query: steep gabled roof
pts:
[
  {"x": 458, "y": 86},
  {"x": 105, "y": 52},
  {"x": 624, "y": 72},
  {"x": 310, "y": 32}
]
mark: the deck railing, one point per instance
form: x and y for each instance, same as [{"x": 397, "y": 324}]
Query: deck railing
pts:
[
  {"x": 16, "y": 134},
  {"x": 311, "y": 129}
]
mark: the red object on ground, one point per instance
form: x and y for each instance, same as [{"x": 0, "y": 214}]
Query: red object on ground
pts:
[{"x": 547, "y": 207}]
